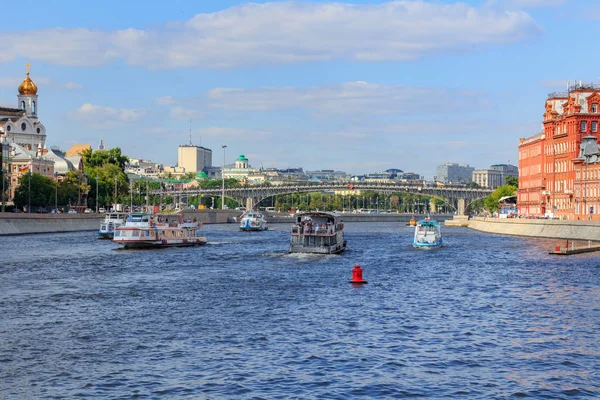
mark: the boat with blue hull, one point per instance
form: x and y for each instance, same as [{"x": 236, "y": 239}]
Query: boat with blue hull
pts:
[
  {"x": 253, "y": 221},
  {"x": 427, "y": 234}
]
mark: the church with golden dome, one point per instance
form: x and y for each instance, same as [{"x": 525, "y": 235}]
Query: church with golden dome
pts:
[
  {"x": 21, "y": 125},
  {"x": 25, "y": 136}
]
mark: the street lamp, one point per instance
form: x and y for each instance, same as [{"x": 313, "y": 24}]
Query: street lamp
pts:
[
  {"x": 96, "y": 193},
  {"x": 55, "y": 191},
  {"x": 115, "y": 204},
  {"x": 29, "y": 188},
  {"x": 131, "y": 195},
  {"x": 4, "y": 158},
  {"x": 79, "y": 192},
  {"x": 223, "y": 178}
]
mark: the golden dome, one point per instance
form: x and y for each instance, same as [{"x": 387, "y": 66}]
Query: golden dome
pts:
[{"x": 27, "y": 86}]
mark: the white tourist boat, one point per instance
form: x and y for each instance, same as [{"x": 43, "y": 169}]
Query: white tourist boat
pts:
[
  {"x": 158, "y": 230},
  {"x": 427, "y": 234},
  {"x": 111, "y": 221},
  {"x": 253, "y": 221},
  {"x": 317, "y": 232}
]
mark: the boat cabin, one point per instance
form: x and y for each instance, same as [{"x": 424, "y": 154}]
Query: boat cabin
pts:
[
  {"x": 317, "y": 232},
  {"x": 317, "y": 224}
]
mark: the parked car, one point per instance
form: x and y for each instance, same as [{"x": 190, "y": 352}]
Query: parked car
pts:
[
  {"x": 88, "y": 211},
  {"x": 102, "y": 209},
  {"x": 72, "y": 212}
]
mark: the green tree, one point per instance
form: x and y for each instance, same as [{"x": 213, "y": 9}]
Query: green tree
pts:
[
  {"x": 491, "y": 202},
  {"x": 35, "y": 188},
  {"x": 4, "y": 177},
  {"x": 394, "y": 201},
  {"x": 512, "y": 181},
  {"x": 99, "y": 158},
  {"x": 477, "y": 206},
  {"x": 472, "y": 185},
  {"x": 73, "y": 189}
]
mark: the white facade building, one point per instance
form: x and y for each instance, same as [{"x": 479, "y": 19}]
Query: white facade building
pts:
[
  {"x": 25, "y": 137},
  {"x": 21, "y": 125}
]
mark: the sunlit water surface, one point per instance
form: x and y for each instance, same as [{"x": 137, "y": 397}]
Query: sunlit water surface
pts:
[{"x": 487, "y": 316}]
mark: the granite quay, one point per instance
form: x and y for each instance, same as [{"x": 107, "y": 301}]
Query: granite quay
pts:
[{"x": 543, "y": 228}]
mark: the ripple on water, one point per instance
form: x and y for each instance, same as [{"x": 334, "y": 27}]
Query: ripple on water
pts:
[{"x": 488, "y": 316}]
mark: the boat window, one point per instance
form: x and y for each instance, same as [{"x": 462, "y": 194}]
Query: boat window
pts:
[
  {"x": 135, "y": 233},
  {"x": 117, "y": 233}
]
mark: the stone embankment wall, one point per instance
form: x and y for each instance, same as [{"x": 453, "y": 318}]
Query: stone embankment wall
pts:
[
  {"x": 213, "y": 216},
  {"x": 19, "y": 224},
  {"x": 555, "y": 229}
]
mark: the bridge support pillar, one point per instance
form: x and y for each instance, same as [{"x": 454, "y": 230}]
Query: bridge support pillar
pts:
[
  {"x": 462, "y": 206},
  {"x": 249, "y": 203}
]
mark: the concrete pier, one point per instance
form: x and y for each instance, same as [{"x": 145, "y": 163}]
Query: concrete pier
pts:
[
  {"x": 544, "y": 228},
  {"x": 20, "y": 224}
]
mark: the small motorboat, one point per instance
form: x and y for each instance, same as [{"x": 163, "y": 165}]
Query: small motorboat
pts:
[
  {"x": 253, "y": 221},
  {"x": 427, "y": 234}
]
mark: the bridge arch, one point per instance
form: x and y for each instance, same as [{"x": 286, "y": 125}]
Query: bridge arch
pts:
[{"x": 252, "y": 195}]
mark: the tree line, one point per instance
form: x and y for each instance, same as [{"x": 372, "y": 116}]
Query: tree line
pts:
[{"x": 103, "y": 182}]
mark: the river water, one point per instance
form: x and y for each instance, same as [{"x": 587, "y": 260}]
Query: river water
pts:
[{"x": 487, "y": 316}]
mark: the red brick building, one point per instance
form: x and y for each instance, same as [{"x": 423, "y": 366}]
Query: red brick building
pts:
[{"x": 555, "y": 173}]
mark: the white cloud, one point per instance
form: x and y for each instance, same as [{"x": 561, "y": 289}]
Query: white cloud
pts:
[
  {"x": 281, "y": 32},
  {"x": 164, "y": 100},
  {"x": 181, "y": 113},
  {"x": 73, "y": 86},
  {"x": 101, "y": 117},
  {"x": 350, "y": 98},
  {"x": 532, "y": 3}
]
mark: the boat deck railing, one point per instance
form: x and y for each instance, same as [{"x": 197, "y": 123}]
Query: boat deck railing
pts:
[
  {"x": 314, "y": 240},
  {"x": 297, "y": 231}
]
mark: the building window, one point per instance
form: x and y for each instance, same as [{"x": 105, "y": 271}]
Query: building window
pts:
[
  {"x": 22, "y": 105},
  {"x": 594, "y": 107},
  {"x": 33, "y": 107},
  {"x": 594, "y": 126},
  {"x": 583, "y": 126}
]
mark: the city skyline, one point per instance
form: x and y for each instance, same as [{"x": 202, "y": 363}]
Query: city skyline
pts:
[{"x": 359, "y": 86}]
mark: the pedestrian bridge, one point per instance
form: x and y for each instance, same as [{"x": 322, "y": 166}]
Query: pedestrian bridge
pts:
[{"x": 458, "y": 196}]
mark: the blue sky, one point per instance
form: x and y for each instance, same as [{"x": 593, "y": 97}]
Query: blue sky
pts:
[{"x": 359, "y": 86}]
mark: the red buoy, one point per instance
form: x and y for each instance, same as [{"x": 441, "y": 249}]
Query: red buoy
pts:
[{"x": 357, "y": 275}]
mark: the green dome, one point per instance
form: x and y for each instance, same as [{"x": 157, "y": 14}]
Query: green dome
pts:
[
  {"x": 242, "y": 158},
  {"x": 201, "y": 175}
]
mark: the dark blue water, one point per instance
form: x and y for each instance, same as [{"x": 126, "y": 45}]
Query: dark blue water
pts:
[{"x": 486, "y": 316}]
